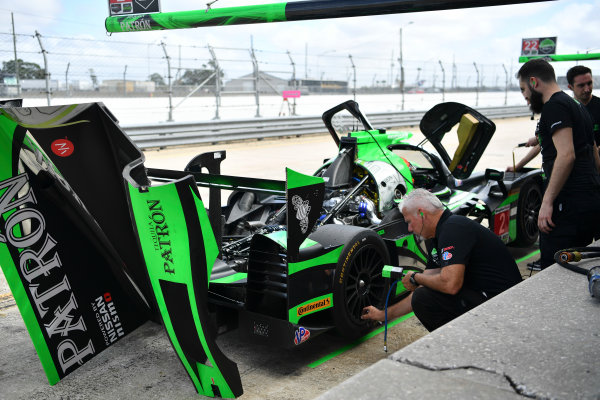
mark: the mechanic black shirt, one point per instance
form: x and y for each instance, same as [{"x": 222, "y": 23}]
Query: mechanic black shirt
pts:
[
  {"x": 489, "y": 267},
  {"x": 593, "y": 108},
  {"x": 562, "y": 111}
]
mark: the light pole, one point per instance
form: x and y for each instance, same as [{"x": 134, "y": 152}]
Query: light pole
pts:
[
  {"x": 319, "y": 71},
  {"x": 505, "y": 84},
  {"x": 443, "y": 81},
  {"x": 477, "y": 87},
  {"x": 353, "y": 69},
  {"x": 402, "y": 66}
]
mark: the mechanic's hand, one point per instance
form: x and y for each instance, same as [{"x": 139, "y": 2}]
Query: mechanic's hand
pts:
[
  {"x": 531, "y": 142},
  {"x": 510, "y": 168},
  {"x": 406, "y": 282},
  {"x": 372, "y": 313},
  {"x": 545, "y": 223}
]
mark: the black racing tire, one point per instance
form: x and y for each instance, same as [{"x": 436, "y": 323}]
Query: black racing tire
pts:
[
  {"x": 528, "y": 207},
  {"x": 358, "y": 282}
]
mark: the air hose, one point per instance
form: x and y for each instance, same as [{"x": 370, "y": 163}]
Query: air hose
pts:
[
  {"x": 576, "y": 254},
  {"x": 386, "y": 320}
]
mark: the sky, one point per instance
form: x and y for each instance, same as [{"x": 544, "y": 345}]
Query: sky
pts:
[{"x": 488, "y": 35}]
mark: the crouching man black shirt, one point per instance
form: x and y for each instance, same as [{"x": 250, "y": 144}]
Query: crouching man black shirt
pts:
[{"x": 489, "y": 269}]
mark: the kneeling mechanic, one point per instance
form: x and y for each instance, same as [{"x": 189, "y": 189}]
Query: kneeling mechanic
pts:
[{"x": 467, "y": 265}]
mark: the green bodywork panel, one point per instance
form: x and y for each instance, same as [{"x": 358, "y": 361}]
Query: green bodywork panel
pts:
[
  {"x": 329, "y": 258},
  {"x": 237, "y": 277},
  {"x": 280, "y": 237},
  {"x": 410, "y": 243},
  {"x": 7, "y": 131},
  {"x": 167, "y": 251}
]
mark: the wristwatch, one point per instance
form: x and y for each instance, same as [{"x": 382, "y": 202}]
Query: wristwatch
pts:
[{"x": 412, "y": 279}]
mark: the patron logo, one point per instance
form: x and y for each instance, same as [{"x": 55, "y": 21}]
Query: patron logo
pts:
[
  {"x": 108, "y": 318},
  {"x": 40, "y": 270},
  {"x": 314, "y": 306},
  {"x": 159, "y": 230},
  {"x": 62, "y": 147},
  {"x": 140, "y": 24}
]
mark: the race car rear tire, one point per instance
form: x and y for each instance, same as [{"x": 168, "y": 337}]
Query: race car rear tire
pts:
[
  {"x": 358, "y": 282},
  {"x": 528, "y": 207}
]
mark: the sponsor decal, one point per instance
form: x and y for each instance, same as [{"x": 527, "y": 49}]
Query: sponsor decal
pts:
[
  {"x": 314, "y": 306},
  {"x": 107, "y": 318},
  {"x": 446, "y": 255},
  {"x": 435, "y": 257},
  {"x": 302, "y": 334},
  {"x": 145, "y": 4},
  {"x": 39, "y": 266},
  {"x": 62, "y": 147},
  {"x": 343, "y": 270},
  {"x": 501, "y": 221},
  {"x": 302, "y": 208},
  {"x": 140, "y": 24},
  {"x": 159, "y": 231}
]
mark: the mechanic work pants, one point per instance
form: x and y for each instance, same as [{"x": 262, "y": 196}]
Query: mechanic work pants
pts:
[
  {"x": 435, "y": 309},
  {"x": 572, "y": 229}
]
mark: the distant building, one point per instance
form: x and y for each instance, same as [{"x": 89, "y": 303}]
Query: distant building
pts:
[
  {"x": 322, "y": 86},
  {"x": 31, "y": 85},
  {"x": 127, "y": 86},
  {"x": 267, "y": 84},
  {"x": 76, "y": 84}
]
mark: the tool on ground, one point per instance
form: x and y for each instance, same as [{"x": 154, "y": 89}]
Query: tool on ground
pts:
[{"x": 576, "y": 254}]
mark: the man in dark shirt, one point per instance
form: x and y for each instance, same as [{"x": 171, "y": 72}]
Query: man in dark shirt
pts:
[
  {"x": 467, "y": 265},
  {"x": 582, "y": 84},
  {"x": 569, "y": 215}
]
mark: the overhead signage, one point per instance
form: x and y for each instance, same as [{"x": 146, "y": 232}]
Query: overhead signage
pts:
[
  {"x": 538, "y": 46},
  {"x": 129, "y": 7},
  {"x": 291, "y": 94}
]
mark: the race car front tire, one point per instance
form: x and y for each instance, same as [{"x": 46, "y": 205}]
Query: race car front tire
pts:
[{"x": 358, "y": 281}]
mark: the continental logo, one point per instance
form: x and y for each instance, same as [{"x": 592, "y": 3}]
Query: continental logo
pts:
[
  {"x": 314, "y": 306},
  {"x": 343, "y": 270}
]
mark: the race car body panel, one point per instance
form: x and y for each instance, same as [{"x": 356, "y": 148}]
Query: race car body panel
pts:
[
  {"x": 69, "y": 245},
  {"x": 179, "y": 250},
  {"x": 63, "y": 234}
]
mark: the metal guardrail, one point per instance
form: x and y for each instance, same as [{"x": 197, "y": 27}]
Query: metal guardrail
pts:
[{"x": 175, "y": 134}]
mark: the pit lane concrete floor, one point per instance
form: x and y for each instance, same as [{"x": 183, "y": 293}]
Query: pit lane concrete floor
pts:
[{"x": 143, "y": 364}]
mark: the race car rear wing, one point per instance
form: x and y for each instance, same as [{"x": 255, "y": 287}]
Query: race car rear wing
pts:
[{"x": 304, "y": 196}]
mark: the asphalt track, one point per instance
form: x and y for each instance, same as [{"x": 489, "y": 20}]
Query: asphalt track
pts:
[{"x": 143, "y": 364}]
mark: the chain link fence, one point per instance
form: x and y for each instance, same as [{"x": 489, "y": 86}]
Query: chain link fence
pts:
[{"x": 64, "y": 69}]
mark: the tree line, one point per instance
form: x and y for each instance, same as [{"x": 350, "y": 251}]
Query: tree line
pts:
[{"x": 191, "y": 77}]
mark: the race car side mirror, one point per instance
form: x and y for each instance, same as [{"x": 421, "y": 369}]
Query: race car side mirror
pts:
[
  {"x": 495, "y": 175},
  {"x": 498, "y": 176}
]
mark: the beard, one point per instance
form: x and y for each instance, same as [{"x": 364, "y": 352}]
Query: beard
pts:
[{"x": 536, "y": 101}]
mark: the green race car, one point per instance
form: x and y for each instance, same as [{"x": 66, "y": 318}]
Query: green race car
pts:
[{"x": 93, "y": 244}]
